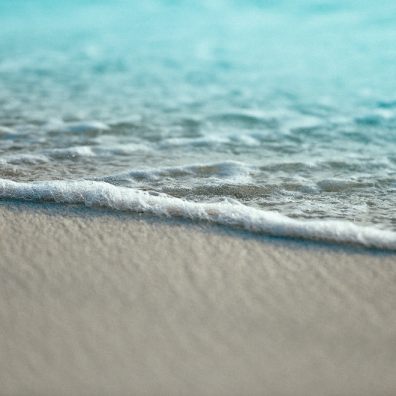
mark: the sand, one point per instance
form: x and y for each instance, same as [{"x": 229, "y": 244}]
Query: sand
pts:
[{"x": 99, "y": 303}]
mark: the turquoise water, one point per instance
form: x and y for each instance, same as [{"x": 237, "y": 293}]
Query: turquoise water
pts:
[{"x": 282, "y": 106}]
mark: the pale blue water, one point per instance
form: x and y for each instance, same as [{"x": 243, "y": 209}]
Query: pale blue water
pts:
[{"x": 284, "y": 106}]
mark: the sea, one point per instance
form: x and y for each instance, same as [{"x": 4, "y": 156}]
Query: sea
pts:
[{"x": 273, "y": 116}]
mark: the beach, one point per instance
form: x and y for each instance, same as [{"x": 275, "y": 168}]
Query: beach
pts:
[
  {"x": 197, "y": 198},
  {"x": 99, "y": 302}
]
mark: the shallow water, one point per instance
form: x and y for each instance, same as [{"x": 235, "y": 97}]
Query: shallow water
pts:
[{"x": 282, "y": 106}]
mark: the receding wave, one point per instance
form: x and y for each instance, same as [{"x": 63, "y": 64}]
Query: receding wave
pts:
[{"x": 227, "y": 212}]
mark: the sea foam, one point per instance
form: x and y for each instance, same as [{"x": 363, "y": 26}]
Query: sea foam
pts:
[{"x": 227, "y": 212}]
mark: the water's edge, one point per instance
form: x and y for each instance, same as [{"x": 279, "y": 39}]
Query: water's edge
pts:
[{"x": 226, "y": 213}]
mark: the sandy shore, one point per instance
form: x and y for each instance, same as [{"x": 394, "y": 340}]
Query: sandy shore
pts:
[{"x": 97, "y": 303}]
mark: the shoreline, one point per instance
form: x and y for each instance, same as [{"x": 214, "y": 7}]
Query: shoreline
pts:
[
  {"x": 94, "y": 301},
  {"x": 100, "y": 194},
  {"x": 81, "y": 211}
]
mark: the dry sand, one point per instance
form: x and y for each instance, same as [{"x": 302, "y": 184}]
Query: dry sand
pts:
[{"x": 97, "y": 303}]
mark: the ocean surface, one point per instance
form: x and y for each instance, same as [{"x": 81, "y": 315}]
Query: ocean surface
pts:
[{"x": 274, "y": 116}]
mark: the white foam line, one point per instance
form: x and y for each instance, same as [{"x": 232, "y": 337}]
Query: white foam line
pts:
[{"x": 97, "y": 193}]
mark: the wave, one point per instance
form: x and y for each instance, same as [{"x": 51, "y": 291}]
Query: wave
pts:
[
  {"x": 26, "y": 159},
  {"x": 76, "y": 126},
  {"x": 6, "y": 132},
  {"x": 226, "y": 212},
  {"x": 71, "y": 152},
  {"x": 227, "y": 171}
]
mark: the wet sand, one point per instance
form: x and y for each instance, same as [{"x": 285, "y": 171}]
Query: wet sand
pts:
[{"x": 96, "y": 303}]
